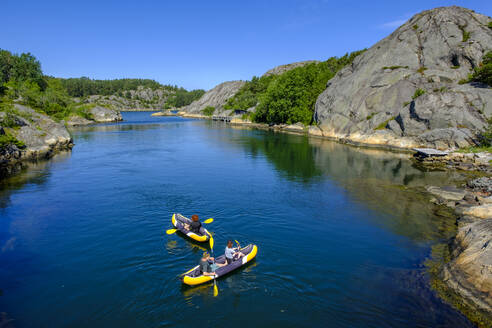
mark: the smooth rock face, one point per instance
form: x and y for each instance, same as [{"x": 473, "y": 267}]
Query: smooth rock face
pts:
[
  {"x": 284, "y": 68},
  {"x": 447, "y": 193},
  {"x": 41, "y": 135},
  {"x": 103, "y": 114},
  {"x": 429, "y": 53},
  {"x": 470, "y": 272},
  {"x": 482, "y": 211},
  {"x": 142, "y": 98},
  {"x": 216, "y": 97}
]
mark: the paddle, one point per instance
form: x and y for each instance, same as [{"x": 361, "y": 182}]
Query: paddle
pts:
[{"x": 216, "y": 289}]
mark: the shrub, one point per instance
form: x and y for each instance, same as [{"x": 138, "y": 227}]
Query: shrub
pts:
[
  {"x": 422, "y": 69},
  {"x": 483, "y": 73},
  {"x": 418, "y": 93},
  {"x": 382, "y": 126},
  {"x": 8, "y": 139},
  {"x": 291, "y": 96},
  {"x": 394, "y": 67},
  {"x": 489, "y": 24},
  {"x": 466, "y": 36},
  {"x": 208, "y": 111}
]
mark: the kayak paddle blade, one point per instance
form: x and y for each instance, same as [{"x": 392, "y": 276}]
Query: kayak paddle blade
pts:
[
  {"x": 171, "y": 231},
  {"x": 216, "y": 290},
  {"x": 208, "y": 220},
  {"x": 211, "y": 243}
]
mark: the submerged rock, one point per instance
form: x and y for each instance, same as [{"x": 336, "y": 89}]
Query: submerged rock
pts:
[{"x": 407, "y": 85}]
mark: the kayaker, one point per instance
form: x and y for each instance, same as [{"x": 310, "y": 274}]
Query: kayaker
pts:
[
  {"x": 231, "y": 253},
  {"x": 207, "y": 268},
  {"x": 195, "y": 224}
]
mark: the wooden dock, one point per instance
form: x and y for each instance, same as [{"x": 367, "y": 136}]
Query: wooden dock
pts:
[{"x": 222, "y": 118}]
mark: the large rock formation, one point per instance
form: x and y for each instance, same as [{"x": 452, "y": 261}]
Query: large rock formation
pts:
[
  {"x": 140, "y": 99},
  {"x": 284, "y": 68},
  {"x": 375, "y": 100},
  {"x": 99, "y": 114},
  {"x": 216, "y": 97},
  {"x": 41, "y": 136}
]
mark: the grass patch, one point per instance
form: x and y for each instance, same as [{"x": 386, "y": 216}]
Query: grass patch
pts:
[
  {"x": 370, "y": 116},
  {"x": 489, "y": 24},
  {"x": 455, "y": 67},
  {"x": 422, "y": 69},
  {"x": 208, "y": 111},
  {"x": 466, "y": 36},
  {"x": 394, "y": 67},
  {"x": 419, "y": 92},
  {"x": 8, "y": 139},
  {"x": 382, "y": 126},
  {"x": 415, "y": 27},
  {"x": 475, "y": 149},
  {"x": 406, "y": 103}
]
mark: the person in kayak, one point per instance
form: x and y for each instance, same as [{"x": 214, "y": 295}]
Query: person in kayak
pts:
[
  {"x": 231, "y": 253},
  {"x": 195, "y": 224},
  {"x": 207, "y": 268}
]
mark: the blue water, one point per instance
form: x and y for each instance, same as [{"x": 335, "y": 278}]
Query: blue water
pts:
[{"x": 342, "y": 231}]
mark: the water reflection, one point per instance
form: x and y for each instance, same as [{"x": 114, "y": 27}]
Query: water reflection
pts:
[
  {"x": 294, "y": 156},
  {"x": 386, "y": 182}
]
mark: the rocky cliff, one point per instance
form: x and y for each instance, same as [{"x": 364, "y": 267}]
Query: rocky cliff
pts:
[
  {"x": 216, "y": 97},
  {"x": 405, "y": 91},
  {"x": 284, "y": 68},
  {"x": 26, "y": 134},
  {"x": 36, "y": 136},
  {"x": 98, "y": 114},
  {"x": 142, "y": 98}
]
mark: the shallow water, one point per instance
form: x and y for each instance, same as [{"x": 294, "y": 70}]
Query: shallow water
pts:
[{"x": 342, "y": 232}]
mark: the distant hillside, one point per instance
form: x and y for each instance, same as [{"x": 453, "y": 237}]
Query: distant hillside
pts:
[{"x": 129, "y": 94}]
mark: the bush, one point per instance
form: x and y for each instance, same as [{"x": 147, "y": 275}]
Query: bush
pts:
[
  {"x": 291, "y": 96},
  {"x": 208, "y": 111},
  {"x": 183, "y": 97},
  {"x": 418, "y": 93},
  {"x": 489, "y": 24},
  {"x": 483, "y": 73},
  {"x": 248, "y": 95},
  {"x": 8, "y": 139}
]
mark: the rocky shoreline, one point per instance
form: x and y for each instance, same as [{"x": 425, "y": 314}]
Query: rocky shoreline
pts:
[{"x": 39, "y": 136}]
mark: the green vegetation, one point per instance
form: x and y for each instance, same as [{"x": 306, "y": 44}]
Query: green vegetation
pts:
[
  {"x": 183, "y": 97},
  {"x": 291, "y": 96},
  {"x": 466, "y": 36},
  {"x": 208, "y": 111},
  {"x": 422, "y": 69},
  {"x": 382, "y": 126},
  {"x": 489, "y": 24},
  {"x": 247, "y": 96},
  {"x": 483, "y": 73},
  {"x": 8, "y": 139},
  {"x": 455, "y": 67},
  {"x": 406, "y": 103},
  {"x": 418, "y": 93},
  {"x": 370, "y": 116},
  {"x": 415, "y": 27},
  {"x": 22, "y": 81},
  {"x": 394, "y": 67},
  {"x": 84, "y": 86}
]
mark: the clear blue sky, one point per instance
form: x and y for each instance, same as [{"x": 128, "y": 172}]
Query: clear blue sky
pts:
[{"x": 197, "y": 44}]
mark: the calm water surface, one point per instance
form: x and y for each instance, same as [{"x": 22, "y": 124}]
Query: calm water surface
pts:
[{"x": 342, "y": 232}]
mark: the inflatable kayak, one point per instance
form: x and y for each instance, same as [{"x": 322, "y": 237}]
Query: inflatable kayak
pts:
[
  {"x": 195, "y": 277},
  {"x": 179, "y": 220}
]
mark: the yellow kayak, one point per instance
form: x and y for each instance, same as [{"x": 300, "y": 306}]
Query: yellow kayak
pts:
[
  {"x": 195, "y": 277},
  {"x": 179, "y": 221}
]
